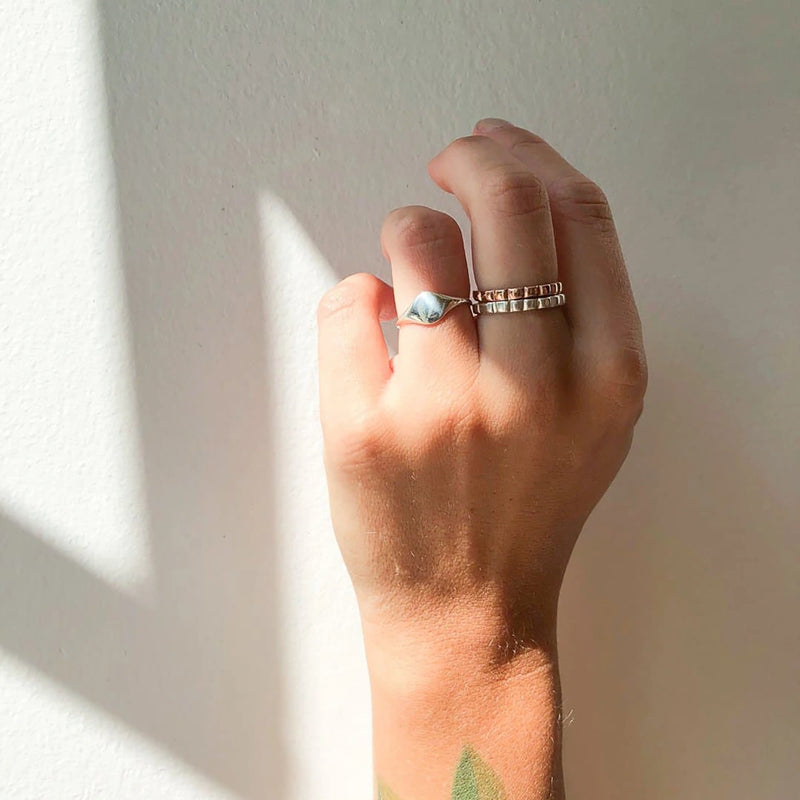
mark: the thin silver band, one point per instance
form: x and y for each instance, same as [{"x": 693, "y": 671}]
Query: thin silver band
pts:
[{"x": 525, "y": 304}]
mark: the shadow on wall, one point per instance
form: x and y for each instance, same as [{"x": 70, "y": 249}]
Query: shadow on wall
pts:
[
  {"x": 198, "y": 673},
  {"x": 678, "y": 635},
  {"x": 208, "y": 106}
]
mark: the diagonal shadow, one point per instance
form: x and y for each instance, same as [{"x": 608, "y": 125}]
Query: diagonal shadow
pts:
[
  {"x": 198, "y": 673},
  {"x": 145, "y": 665},
  {"x": 201, "y": 101}
]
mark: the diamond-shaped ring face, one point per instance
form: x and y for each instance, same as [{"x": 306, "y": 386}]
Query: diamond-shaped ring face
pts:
[{"x": 428, "y": 308}]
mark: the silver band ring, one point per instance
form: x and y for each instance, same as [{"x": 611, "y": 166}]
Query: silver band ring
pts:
[
  {"x": 518, "y": 292},
  {"x": 428, "y": 308},
  {"x": 524, "y": 304}
]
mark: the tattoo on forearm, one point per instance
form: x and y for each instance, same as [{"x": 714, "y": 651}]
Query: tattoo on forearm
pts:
[
  {"x": 385, "y": 793},
  {"x": 474, "y": 780}
]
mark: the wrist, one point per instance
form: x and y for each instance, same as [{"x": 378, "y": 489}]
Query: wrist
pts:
[
  {"x": 452, "y": 679},
  {"x": 484, "y": 634},
  {"x": 427, "y": 654}
]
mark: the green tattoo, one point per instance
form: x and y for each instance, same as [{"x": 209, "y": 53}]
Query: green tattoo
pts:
[
  {"x": 385, "y": 793},
  {"x": 474, "y": 780}
]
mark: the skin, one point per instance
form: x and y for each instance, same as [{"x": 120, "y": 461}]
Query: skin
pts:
[{"x": 462, "y": 471}]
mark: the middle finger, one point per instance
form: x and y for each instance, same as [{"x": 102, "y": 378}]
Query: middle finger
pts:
[{"x": 512, "y": 240}]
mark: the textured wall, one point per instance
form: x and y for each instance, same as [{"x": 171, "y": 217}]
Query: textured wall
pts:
[{"x": 178, "y": 183}]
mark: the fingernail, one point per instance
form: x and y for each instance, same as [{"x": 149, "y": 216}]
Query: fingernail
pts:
[{"x": 491, "y": 123}]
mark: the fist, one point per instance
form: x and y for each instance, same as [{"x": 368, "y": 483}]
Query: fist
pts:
[{"x": 461, "y": 472}]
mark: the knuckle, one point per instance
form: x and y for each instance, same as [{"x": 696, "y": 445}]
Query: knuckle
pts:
[
  {"x": 461, "y": 424},
  {"x": 528, "y": 142},
  {"x": 623, "y": 378},
  {"x": 508, "y": 421},
  {"x": 415, "y": 228},
  {"x": 465, "y": 143},
  {"x": 522, "y": 413},
  {"x": 514, "y": 194},
  {"x": 345, "y": 295},
  {"x": 359, "y": 442},
  {"x": 441, "y": 425},
  {"x": 335, "y": 301},
  {"x": 581, "y": 200}
]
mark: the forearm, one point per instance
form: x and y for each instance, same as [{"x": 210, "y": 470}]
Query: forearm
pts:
[{"x": 463, "y": 711}]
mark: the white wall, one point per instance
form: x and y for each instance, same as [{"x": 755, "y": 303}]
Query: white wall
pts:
[{"x": 178, "y": 183}]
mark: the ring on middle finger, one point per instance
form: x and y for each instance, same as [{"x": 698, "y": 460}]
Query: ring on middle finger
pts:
[
  {"x": 519, "y": 304},
  {"x": 517, "y": 292},
  {"x": 518, "y": 298}
]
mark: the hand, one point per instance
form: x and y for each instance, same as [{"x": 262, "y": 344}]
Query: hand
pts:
[{"x": 462, "y": 471}]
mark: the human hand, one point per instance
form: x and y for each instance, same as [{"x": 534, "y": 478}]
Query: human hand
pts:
[{"x": 461, "y": 472}]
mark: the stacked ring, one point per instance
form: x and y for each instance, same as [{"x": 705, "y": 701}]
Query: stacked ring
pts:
[
  {"x": 429, "y": 308},
  {"x": 521, "y": 304},
  {"x": 518, "y": 292}
]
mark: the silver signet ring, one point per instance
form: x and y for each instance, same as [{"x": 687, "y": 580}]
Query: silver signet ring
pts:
[{"x": 428, "y": 308}]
